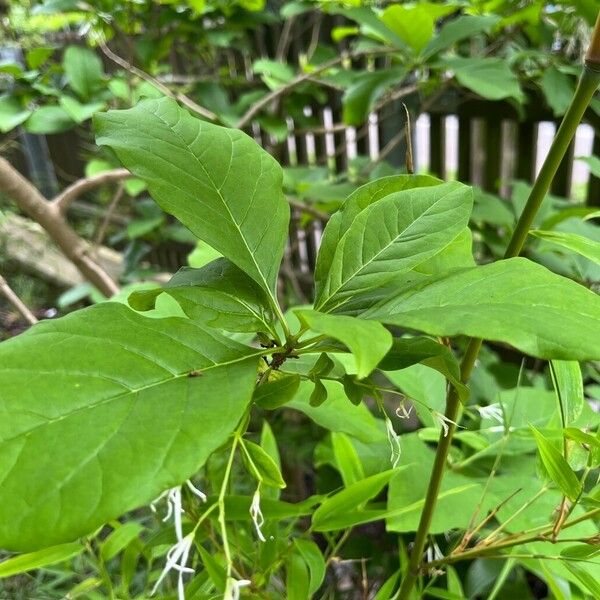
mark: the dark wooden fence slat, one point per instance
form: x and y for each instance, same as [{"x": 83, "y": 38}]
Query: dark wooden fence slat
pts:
[
  {"x": 493, "y": 155},
  {"x": 437, "y": 145}
]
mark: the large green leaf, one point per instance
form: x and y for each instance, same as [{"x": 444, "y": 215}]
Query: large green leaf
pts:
[
  {"x": 491, "y": 78},
  {"x": 368, "y": 341},
  {"x": 514, "y": 301},
  {"x": 83, "y": 69},
  {"x": 218, "y": 182},
  {"x": 364, "y": 196},
  {"x": 390, "y": 237},
  {"x": 102, "y": 410},
  {"x": 219, "y": 295}
]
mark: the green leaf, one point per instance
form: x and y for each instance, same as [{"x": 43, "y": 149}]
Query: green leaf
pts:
[
  {"x": 278, "y": 391},
  {"x": 364, "y": 196},
  {"x": 514, "y": 301},
  {"x": 12, "y": 113},
  {"x": 412, "y": 25},
  {"x": 41, "y": 558},
  {"x": 49, "y": 119},
  {"x": 84, "y": 70},
  {"x": 80, "y": 112},
  {"x": 568, "y": 383},
  {"x": 36, "y": 57},
  {"x": 262, "y": 466},
  {"x": 315, "y": 562},
  {"x": 558, "y": 89},
  {"x": 219, "y": 295},
  {"x": 347, "y": 504},
  {"x": 297, "y": 580},
  {"x": 557, "y": 467},
  {"x": 571, "y": 241},
  {"x": 491, "y": 78},
  {"x": 367, "y": 340},
  {"x": 410, "y": 351},
  {"x": 319, "y": 394},
  {"x": 218, "y": 182},
  {"x": 361, "y": 96},
  {"x": 458, "y": 29},
  {"x": 337, "y": 414},
  {"x": 346, "y": 459},
  {"x": 119, "y": 539},
  {"x": 117, "y": 408},
  {"x": 388, "y": 238}
]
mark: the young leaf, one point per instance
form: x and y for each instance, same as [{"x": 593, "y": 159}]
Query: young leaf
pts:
[
  {"x": 297, "y": 578},
  {"x": 121, "y": 537},
  {"x": 349, "y": 500},
  {"x": 360, "y": 97},
  {"x": 346, "y": 459},
  {"x": 117, "y": 408},
  {"x": 367, "y": 340},
  {"x": 40, "y": 558},
  {"x": 557, "y": 467},
  {"x": 318, "y": 395},
  {"x": 568, "y": 383},
  {"x": 390, "y": 237},
  {"x": 313, "y": 558},
  {"x": 514, "y": 301},
  {"x": 262, "y": 466},
  {"x": 218, "y": 182},
  {"x": 219, "y": 295},
  {"x": 410, "y": 351},
  {"x": 277, "y": 392},
  {"x": 83, "y": 69},
  {"x": 571, "y": 241}
]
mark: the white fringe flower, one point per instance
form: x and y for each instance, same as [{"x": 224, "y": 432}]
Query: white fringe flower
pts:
[
  {"x": 177, "y": 557},
  {"x": 233, "y": 587},
  {"x": 443, "y": 421},
  {"x": 178, "y": 554},
  {"x": 402, "y": 412},
  {"x": 256, "y": 515},
  {"x": 493, "y": 411},
  {"x": 394, "y": 441}
]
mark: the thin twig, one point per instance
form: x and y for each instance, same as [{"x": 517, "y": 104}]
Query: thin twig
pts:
[
  {"x": 286, "y": 89},
  {"x": 185, "y": 100},
  {"x": 81, "y": 186},
  {"x": 12, "y": 297},
  {"x": 309, "y": 210},
  {"x": 99, "y": 237}
]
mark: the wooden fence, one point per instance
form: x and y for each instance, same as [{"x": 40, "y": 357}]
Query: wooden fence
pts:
[{"x": 495, "y": 145}]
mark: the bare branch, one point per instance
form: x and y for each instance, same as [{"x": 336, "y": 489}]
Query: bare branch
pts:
[
  {"x": 12, "y": 297},
  {"x": 185, "y": 100},
  {"x": 81, "y": 186},
  {"x": 309, "y": 210},
  {"x": 47, "y": 214}
]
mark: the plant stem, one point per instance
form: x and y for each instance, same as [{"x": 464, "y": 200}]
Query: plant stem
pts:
[{"x": 588, "y": 84}]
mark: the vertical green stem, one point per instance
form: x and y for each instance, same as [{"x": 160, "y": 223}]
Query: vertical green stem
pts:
[{"x": 588, "y": 84}]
